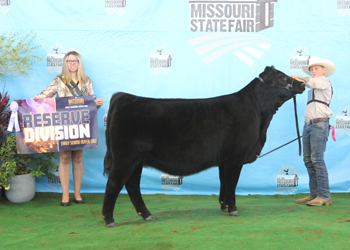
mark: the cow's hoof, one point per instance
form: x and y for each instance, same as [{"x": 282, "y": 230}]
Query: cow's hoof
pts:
[
  {"x": 113, "y": 224},
  {"x": 150, "y": 218},
  {"x": 234, "y": 213},
  {"x": 225, "y": 210}
]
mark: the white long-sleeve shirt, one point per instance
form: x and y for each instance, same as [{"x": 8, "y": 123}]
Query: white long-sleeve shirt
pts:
[{"x": 322, "y": 91}]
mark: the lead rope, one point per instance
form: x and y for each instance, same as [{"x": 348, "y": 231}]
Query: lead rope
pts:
[{"x": 297, "y": 125}]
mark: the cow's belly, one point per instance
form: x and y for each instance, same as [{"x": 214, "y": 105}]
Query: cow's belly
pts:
[
  {"x": 179, "y": 168},
  {"x": 183, "y": 164}
]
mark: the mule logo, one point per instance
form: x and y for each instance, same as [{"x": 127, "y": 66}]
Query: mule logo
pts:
[
  {"x": 105, "y": 118},
  {"x": 300, "y": 57},
  {"x": 287, "y": 179},
  {"x": 160, "y": 61},
  {"x": 114, "y": 7},
  {"x": 171, "y": 182},
  {"x": 343, "y": 7},
  {"x": 54, "y": 58},
  {"x": 54, "y": 181},
  {"x": 233, "y": 25},
  {"x": 342, "y": 121},
  {"x": 3, "y": 4}
]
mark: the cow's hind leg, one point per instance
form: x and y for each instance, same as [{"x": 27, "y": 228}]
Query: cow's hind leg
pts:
[
  {"x": 133, "y": 188},
  {"x": 232, "y": 173},
  {"x": 222, "y": 196},
  {"x": 117, "y": 178}
]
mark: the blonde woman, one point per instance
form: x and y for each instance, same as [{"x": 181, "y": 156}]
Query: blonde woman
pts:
[{"x": 72, "y": 82}]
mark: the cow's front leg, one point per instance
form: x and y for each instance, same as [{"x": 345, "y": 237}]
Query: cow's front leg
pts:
[
  {"x": 111, "y": 194},
  {"x": 133, "y": 188},
  {"x": 116, "y": 180},
  {"x": 232, "y": 173},
  {"x": 222, "y": 196}
]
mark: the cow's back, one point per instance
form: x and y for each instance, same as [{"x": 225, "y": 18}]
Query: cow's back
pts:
[{"x": 185, "y": 135}]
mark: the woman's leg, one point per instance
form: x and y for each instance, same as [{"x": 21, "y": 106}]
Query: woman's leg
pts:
[
  {"x": 64, "y": 171},
  {"x": 77, "y": 157}
]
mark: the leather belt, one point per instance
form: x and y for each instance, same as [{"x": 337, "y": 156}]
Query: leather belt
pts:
[{"x": 311, "y": 121}]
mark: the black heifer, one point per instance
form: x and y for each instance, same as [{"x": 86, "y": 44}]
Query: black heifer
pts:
[{"x": 186, "y": 136}]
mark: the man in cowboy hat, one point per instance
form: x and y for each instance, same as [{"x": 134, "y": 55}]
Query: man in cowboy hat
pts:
[{"x": 316, "y": 129}]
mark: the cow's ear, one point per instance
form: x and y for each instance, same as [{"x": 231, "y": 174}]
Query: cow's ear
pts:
[
  {"x": 268, "y": 74},
  {"x": 270, "y": 70},
  {"x": 267, "y": 69}
]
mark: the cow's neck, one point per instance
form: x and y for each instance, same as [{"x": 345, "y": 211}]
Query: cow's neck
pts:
[
  {"x": 251, "y": 99},
  {"x": 268, "y": 98},
  {"x": 259, "y": 99},
  {"x": 266, "y": 104}
]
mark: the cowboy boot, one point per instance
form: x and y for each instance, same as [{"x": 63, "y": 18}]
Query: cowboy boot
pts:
[
  {"x": 318, "y": 201},
  {"x": 303, "y": 200}
]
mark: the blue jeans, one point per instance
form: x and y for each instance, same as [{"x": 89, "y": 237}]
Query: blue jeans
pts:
[{"x": 315, "y": 137}]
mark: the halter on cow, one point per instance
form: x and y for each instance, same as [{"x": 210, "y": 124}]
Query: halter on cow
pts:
[
  {"x": 289, "y": 87},
  {"x": 187, "y": 136}
]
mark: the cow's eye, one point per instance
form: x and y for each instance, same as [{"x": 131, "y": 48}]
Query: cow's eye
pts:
[{"x": 284, "y": 78}]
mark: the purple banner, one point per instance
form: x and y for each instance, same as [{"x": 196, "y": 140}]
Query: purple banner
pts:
[{"x": 57, "y": 124}]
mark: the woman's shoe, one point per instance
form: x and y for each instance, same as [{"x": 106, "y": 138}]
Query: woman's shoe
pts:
[
  {"x": 79, "y": 202},
  {"x": 65, "y": 204}
]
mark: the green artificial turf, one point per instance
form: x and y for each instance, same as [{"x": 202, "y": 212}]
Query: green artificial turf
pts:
[{"x": 182, "y": 222}]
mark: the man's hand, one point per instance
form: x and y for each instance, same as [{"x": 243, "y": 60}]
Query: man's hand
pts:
[{"x": 298, "y": 78}]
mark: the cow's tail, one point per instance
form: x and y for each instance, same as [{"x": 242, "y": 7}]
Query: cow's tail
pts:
[{"x": 108, "y": 161}]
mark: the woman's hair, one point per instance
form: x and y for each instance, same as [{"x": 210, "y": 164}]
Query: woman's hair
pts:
[{"x": 82, "y": 77}]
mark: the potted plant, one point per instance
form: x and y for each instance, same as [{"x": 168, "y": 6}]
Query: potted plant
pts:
[
  {"x": 16, "y": 58},
  {"x": 18, "y": 171},
  {"x": 4, "y": 120},
  {"x": 4, "y": 114}
]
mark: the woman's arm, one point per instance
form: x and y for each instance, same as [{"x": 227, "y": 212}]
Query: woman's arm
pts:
[
  {"x": 50, "y": 91},
  {"x": 98, "y": 101}
]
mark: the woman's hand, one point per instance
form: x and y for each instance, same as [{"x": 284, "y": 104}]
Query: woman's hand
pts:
[{"x": 99, "y": 102}]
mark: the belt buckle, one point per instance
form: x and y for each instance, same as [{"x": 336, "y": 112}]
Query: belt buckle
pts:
[{"x": 307, "y": 122}]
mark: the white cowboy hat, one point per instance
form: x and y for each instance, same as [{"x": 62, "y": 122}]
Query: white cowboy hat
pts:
[{"x": 315, "y": 60}]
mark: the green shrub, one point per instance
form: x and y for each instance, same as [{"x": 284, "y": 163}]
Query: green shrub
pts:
[{"x": 20, "y": 164}]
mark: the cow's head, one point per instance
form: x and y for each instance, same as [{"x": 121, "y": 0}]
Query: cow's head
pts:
[{"x": 278, "y": 79}]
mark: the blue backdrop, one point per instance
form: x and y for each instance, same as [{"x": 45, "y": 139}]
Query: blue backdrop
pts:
[{"x": 193, "y": 49}]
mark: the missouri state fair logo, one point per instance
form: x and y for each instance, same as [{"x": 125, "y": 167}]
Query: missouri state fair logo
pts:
[
  {"x": 232, "y": 26},
  {"x": 54, "y": 58},
  {"x": 343, "y": 7},
  {"x": 171, "y": 182},
  {"x": 115, "y": 7},
  {"x": 287, "y": 179},
  {"x": 342, "y": 121},
  {"x": 300, "y": 57},
  {"x": 4, "y": 6},
  {"x": 160, "y": 61}
]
